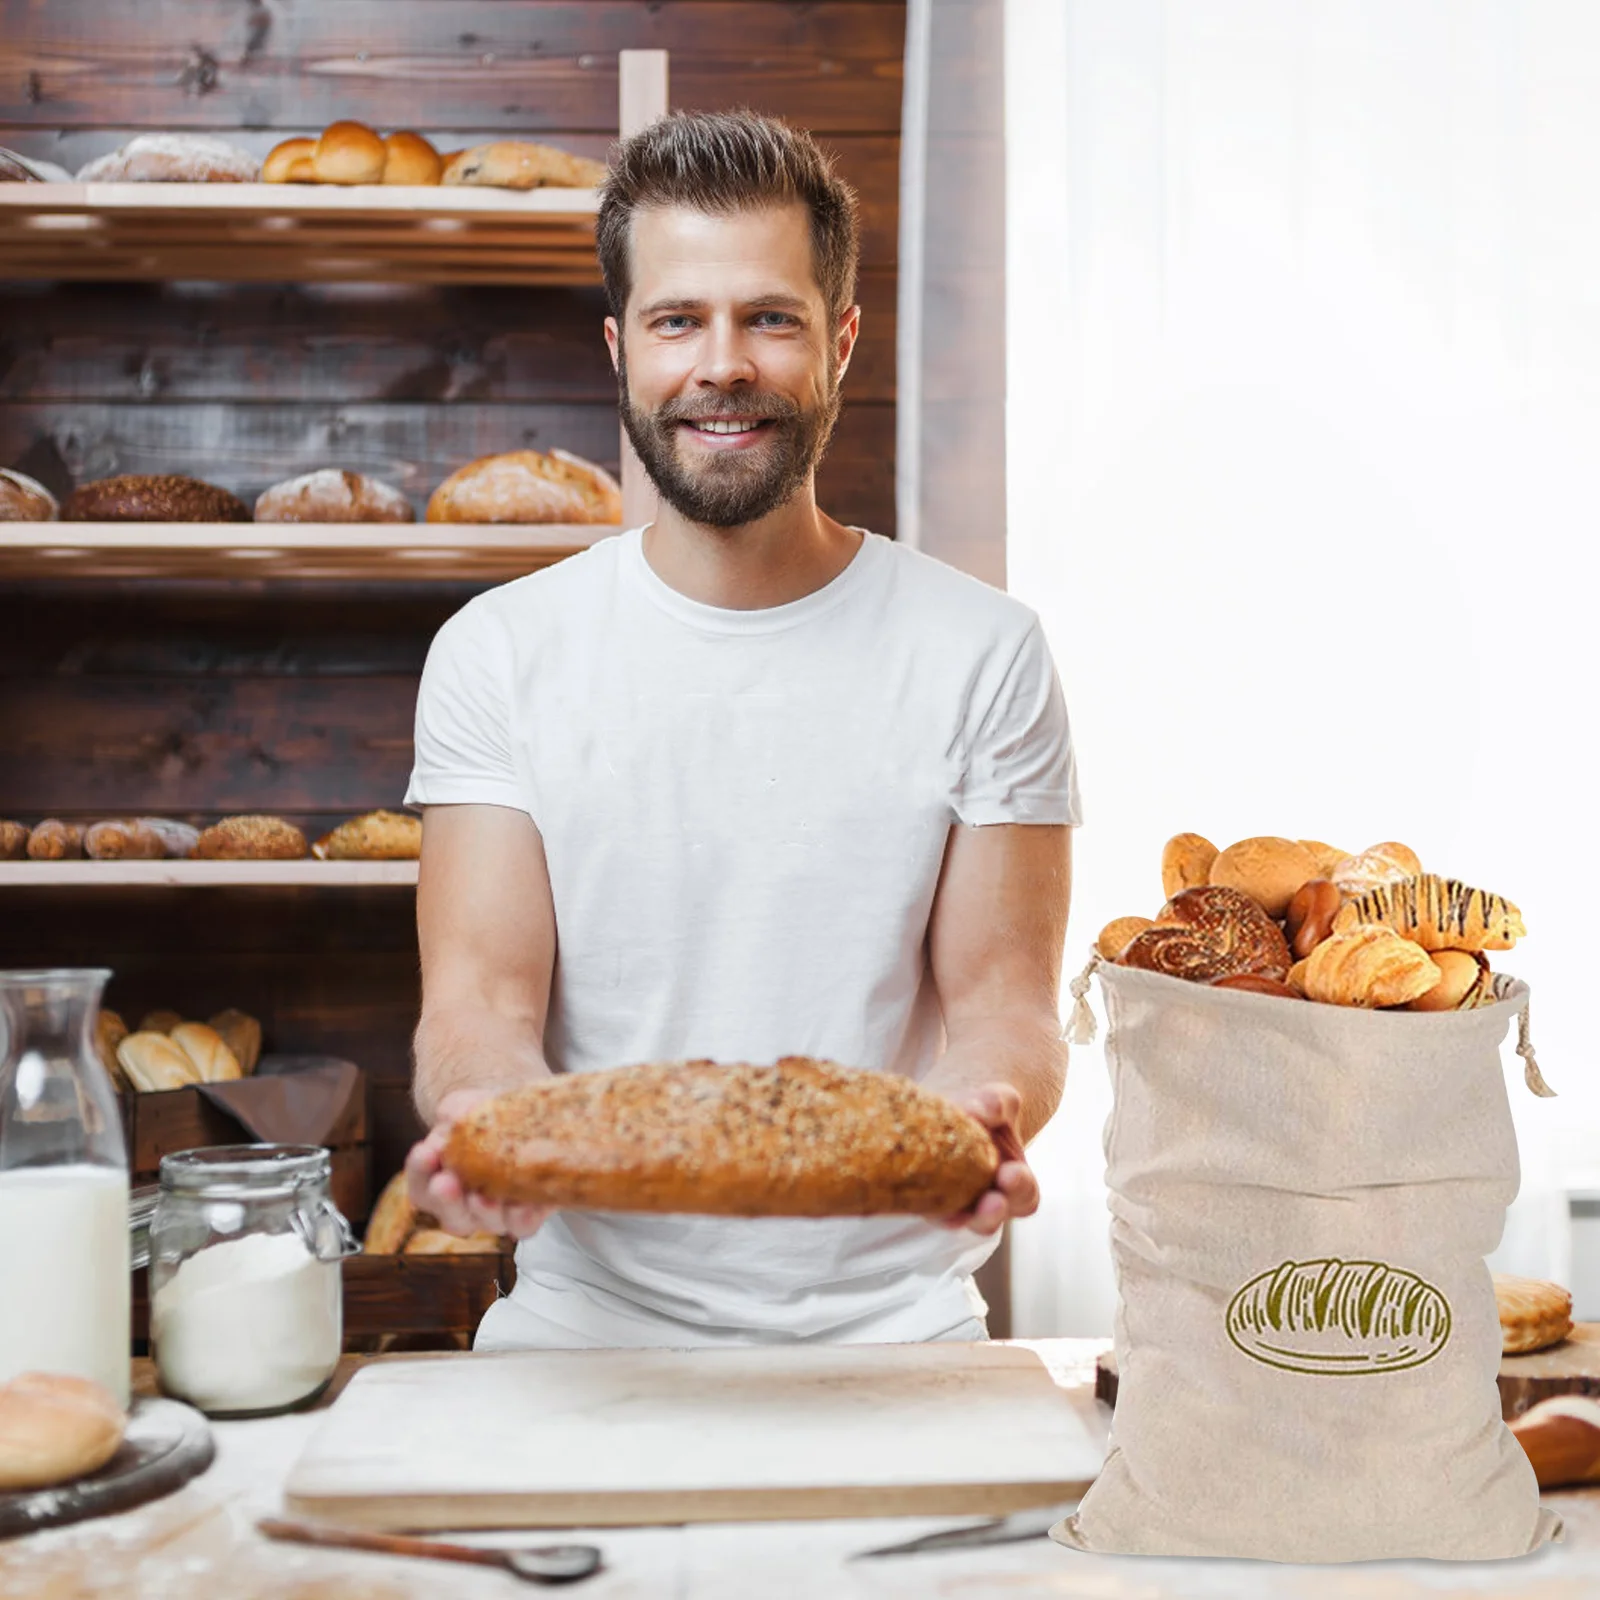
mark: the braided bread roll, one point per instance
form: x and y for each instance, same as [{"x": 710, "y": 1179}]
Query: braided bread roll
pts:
[
  {"x": 1208, "y": 933},
  {"x": 1437, "y": 913}
]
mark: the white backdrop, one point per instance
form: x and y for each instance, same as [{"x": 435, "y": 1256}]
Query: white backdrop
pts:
[{"x": 1303, "y": 440}]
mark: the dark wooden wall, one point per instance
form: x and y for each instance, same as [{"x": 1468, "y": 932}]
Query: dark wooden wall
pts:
[{"x": 196, "y": 701}]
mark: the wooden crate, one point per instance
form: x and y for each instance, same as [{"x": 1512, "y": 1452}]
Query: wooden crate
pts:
[{"x": 162, "y": 1122}]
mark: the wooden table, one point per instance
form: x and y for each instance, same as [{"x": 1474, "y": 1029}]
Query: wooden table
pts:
[{"x": 200, "y": 1544}]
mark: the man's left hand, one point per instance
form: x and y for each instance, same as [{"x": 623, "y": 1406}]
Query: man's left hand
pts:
[{"x": 1014, "y": 1191}]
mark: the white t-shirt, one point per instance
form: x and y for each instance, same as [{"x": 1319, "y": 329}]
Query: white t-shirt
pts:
[{"x": 744, "y": 815}]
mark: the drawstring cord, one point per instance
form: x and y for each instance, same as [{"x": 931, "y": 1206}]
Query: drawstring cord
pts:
[
  {"x": 1081, "y": 1026},
  {"x": 1530, "y": 1068}
]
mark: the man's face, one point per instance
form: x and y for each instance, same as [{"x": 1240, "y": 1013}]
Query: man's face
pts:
[{"x": 728, "y": 365}]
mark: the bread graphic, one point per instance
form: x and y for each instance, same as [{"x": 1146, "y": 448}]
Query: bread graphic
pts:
[{"x": 1339, "y": 1318}]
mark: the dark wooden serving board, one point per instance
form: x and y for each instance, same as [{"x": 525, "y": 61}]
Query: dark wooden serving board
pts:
[
  {"x": 1571, "y": 1367},
  {"x": 166, "y": 1445}
]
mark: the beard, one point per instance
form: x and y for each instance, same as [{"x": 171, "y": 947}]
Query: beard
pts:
[{"x": 727, "y": 488}]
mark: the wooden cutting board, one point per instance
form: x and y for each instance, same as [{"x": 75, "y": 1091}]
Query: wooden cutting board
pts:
[
  {"x": 1571, "y": 1367},
  {"x": 610, "y": 1437}
]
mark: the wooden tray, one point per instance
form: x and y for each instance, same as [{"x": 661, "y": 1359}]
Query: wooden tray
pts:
[{"x": 166, "y": 1445}]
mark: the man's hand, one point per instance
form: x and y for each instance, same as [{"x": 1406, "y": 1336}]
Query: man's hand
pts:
[
  {"x": 434, "y": 1188},
  {"x": 1015, "y": 1191}
]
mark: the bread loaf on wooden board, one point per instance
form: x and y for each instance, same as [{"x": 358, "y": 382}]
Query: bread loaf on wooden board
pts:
[
  {"x": 1561, "y": 1437},
  {"x": 800, "y": 1138},
  {"x": 54, "y": 1428}
]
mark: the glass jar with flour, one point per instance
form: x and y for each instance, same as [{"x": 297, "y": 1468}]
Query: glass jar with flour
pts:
[{"x": 246, "y": 1314}]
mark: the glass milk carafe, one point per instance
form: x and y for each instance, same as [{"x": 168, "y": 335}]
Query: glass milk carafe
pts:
[{"x": 63, "y": 1185}]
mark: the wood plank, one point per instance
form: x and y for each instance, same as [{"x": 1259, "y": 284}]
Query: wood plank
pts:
[
  {"x": 245, "y": 448},
  {"x": 199, "y": 874},
  {"x": 511, "y": 65},
  {"x": 372, "y": 343},
  {"x": 870, "y": 163},
  {"x": 1571, "y": 1367}
]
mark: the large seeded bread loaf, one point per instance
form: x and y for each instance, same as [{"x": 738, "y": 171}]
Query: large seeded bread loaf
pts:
[
  {"x": 527, "y": 486},
  {"x": 801, "y": 1138},
  {"x": 166, "y": 497}
]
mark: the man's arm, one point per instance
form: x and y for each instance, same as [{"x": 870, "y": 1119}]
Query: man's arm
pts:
[
  {"x": 486, "y": 928},
  {"x": 995, "y": 942}
]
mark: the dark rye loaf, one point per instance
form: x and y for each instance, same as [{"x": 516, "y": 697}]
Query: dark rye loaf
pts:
[
  {"x": 136, "y": 498},
  {"x": 801, "y": 1138}
]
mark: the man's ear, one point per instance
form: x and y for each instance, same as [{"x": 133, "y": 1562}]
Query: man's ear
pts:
[
  {"x": 845, "y": 337},
  {"x": 613, "y": 339}
]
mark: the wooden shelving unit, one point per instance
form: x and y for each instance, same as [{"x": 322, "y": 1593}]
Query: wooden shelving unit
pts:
[
  {"x": 372, "y": 552},
  {"x": 269, "y": 232},
  {"x": 207, "y": 874}
]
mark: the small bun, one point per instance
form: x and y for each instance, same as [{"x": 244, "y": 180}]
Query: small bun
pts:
[
  {"x": 411, "y": 159},
  {"x": 54, "y": 1428},
  {"x": 153, "y": 1062},
  {"x": 1371, "y": 869},
  {"x": 213, "y": 1061},
  {"x": 289, "y": 162},
  {"x": 1186, "y": 862},
  {"x": 1465, "y": 982},
  {"x": 1116, "y": 934},
  {"x": 349, "y": 152},
  {"x": 1266, "y": 868}
]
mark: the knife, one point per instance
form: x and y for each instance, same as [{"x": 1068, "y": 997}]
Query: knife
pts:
[{"x": 1031, "y": 1524}]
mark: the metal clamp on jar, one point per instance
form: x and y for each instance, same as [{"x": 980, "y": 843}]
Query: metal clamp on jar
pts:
[{"x": 246, "y": 1309}]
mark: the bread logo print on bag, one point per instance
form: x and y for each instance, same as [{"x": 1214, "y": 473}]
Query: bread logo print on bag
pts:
[{"x": 1336, "y": 1317}]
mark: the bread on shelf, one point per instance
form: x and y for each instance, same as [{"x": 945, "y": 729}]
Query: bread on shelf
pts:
[
  {"x": 153, "y": 1062},
  {"x": 173, "y": 158},
  {"x": 251, "y": 838},
  {"x": 376, "y": 836},
  {"x": 521, "y": 164},
  {"x": 213, "y": 1061},
  {"x": 138, "y": 497},
  {"x": 242, "y": 1034},
  {"x": 14, "y": 841},
  {"x": 55, "y": 840},
  {"x": 25, "y": 499},
  {"x": 333, "y": 495},
  {"x": 529, "y": 486}
]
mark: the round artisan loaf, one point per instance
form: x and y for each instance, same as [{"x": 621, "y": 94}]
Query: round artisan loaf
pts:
[
  {"x": 800, "y": 1138},
  {"x": 54, "y": 1428},
  {"x": 23, "y": 499},
  {"x": 173, "y": 158},
  {"x": 1266, "y": 868},
  {"x": 411, "y": 159},
  {"x": 375, "y": 836},
  {"x": 331, "y": 495},
  {"x": 290, "y": 162},
  {"x": 251, "y": 838},
  {"x": 349, "y": 152},
  {"x": 522, "y": 164},
  {"x": 134, "y": 497},
  {"x": 527, "y": 486}
]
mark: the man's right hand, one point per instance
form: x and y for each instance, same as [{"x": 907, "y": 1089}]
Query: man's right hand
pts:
[{"x": 434, "y": 1188}]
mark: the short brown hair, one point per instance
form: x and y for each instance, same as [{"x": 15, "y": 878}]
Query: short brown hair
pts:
[{"x": 721, "y": 162}]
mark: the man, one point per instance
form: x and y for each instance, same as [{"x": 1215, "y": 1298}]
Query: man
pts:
[{"x": 745, "y": 783}]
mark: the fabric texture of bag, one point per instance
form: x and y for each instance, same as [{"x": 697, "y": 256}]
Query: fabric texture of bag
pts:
[{"x": 1302, "y": 1197}]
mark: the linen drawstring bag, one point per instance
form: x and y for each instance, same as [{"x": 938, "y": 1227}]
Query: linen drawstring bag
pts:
[{"x": 1302, "y": 1196}]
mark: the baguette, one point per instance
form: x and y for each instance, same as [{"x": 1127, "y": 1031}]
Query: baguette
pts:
[
  {"x": 393, "y": 1219},
  {"x": 800, "y": 1138}
]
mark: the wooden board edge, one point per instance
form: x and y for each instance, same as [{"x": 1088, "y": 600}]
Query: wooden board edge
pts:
[{"x": 654, "y": 1508}]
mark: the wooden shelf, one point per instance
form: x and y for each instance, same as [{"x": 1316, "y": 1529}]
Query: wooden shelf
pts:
[
  {"x": 270, "y": 232},
  {"x": 386, "y": 552},
  {"x": 200, "y": 874}
]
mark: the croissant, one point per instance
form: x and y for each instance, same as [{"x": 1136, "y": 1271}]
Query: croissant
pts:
[
  {"x": 1369, "y": 965},
  {"x": 1437, "y": 913}
]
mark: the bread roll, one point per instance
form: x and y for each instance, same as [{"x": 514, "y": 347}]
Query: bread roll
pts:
[
  {"x": 213, "y": 1061},
  {"x": 109, "y": 1031},
  {"x": 153, "y": 1062},
  {"x": 242, "y": 1035},
  {"x": 24, "y": 499},
  {"x": 178, "y": 839},
  {"x": 1309, "y": 919},
  {"x": 1368, "y": 966},
  {"x": 55, "y": 840},
  {"x": 1207, "y": 933},
  {"x": 137, "y": 498},
  {"x": 1438, "y": 914},
  {"x": 436, "y": 1242},
  {"x": 1371, "y": 869},
  {"x": 1258, "y": 983},
  {"x": 160, "y": 1021},
  {"x": 411, "y": 159},
  {"x": 349, "y": 152},
  {"x": 14, "y": 841},
  {"x": 1534, "y": 1314},
  {"x": 1325, "y": 855},
  {"x": 289, "y": 162},
  {"x": 527, "y": 486},
  {"x": 393, "y": 1219},
  {"x": 123, "y": 841},
  {"x": 377, "y": 836},
  {"x": 1465, "y": 982},
  {"x": 1114, "y": 937},
  {"x": 173, "y": 158},
  {"x": 1186, "y": 863},
  {"x": 1401, "y": 854},
  {"x": 251, "y": 838},
  {"x": 1266, "y": 868},
  {"x": 55, "y": 1428},
  {"x": 800, "y": 1138},
  {"x": 1561, "y": 1439},
  {"x": 331, "y": 495},
  {"x": 14, "y": 169},
  {"x": 522, "y": 164}
]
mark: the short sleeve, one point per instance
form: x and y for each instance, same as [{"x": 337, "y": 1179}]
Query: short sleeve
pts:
[
  {"x": 463, "y": 724},
  {"x": 1020, "y": 762}
]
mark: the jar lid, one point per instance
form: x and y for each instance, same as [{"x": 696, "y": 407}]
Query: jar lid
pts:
[{"x": 232, "y": 1170}]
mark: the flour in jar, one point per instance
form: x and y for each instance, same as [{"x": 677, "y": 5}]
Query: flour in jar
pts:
[{"x": 248, "y": 1324}]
